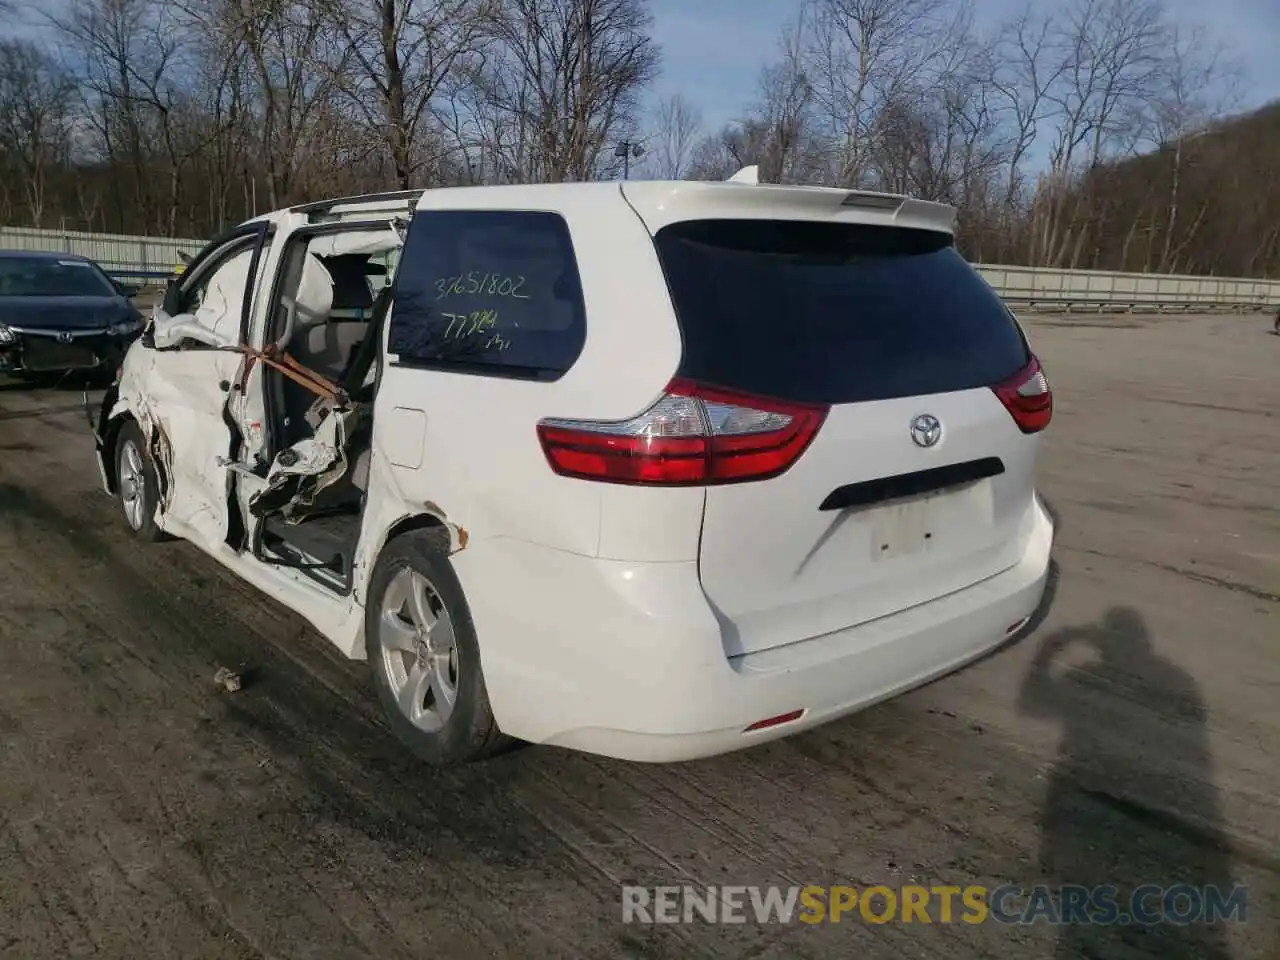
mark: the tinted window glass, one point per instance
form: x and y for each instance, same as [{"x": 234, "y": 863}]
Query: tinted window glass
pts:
[
  {"x": 41, "y": 277},
  {"x": 833, "y": 313},
  {"x": 488, "y": 292}
]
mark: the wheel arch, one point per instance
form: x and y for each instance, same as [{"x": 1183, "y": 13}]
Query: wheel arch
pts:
[
  {"x": 110, "y": 436},
  {"x": 479, "y": 734},
  {"x": 427, "y": 517},
  {"x": 415, "y": 521},
  {"x": 154, "y": 441}
]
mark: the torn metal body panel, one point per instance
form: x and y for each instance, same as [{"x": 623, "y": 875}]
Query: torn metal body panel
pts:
[
  {"x": 178, "y": 399},
  {"x": 319, "y": 463},
  {"x": 255, "y": 386},
  {"x": 300, "y": 473}
]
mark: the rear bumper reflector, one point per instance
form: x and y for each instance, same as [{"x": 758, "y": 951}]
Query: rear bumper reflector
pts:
[{"x": 777, "y": 721}]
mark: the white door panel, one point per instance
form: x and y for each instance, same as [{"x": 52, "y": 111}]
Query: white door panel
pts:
[{"x": 185, "y": 392}]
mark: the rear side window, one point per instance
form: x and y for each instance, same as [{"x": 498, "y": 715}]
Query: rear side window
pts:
[
  {"x": 488, "y": 292},
  {"x": 833, "y": 313}
]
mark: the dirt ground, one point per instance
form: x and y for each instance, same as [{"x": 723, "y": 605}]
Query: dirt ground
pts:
[{"x": 1132, "y": 738}]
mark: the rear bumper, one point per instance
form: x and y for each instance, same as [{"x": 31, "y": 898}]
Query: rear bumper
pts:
[{"x": 627, "y": 660}]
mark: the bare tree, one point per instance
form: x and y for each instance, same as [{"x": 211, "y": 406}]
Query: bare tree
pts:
[
  {"x": 563, "y": 85},
  {"x": 780, "y": 132},
  {"x": 293, "y": 56},
  {"x": 1199, "y": 81},
  {"x": 785, "y": 109},
  {"x": 35, "y": 117},
  {"x": 677, "y": 127},
  {"x": 1111, "y": 63},
  {"x": 942, "y": 140},
  {"x": 863, "y": 55},
  {"x": 1021, "y": 68},
  {"x": 109, "y": 43},
  {"x": 402, "y": 55},
  {"x": 222, "y": 119},
  {"x": 133, "y": 62}
]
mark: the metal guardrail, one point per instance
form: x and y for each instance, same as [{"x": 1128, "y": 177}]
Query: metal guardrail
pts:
[
  {"x": 1101, "y": 290},
  {"x": 146, "y": 259},
  {"x": 153, "y": 259}
]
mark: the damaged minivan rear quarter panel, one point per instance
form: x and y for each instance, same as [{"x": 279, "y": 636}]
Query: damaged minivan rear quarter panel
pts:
[{"x": 466, "y": 439}]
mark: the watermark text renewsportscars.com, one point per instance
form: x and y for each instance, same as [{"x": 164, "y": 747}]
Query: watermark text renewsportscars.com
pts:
[{"x": 1147, "y": 904}]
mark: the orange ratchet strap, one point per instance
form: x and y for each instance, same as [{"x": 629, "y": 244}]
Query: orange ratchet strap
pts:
[{"x": 289, "y": 367}]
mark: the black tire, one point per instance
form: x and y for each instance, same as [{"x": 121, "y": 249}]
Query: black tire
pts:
[
  {"x": 143, "y": 525},
  {"x": 469, "y": 731}
]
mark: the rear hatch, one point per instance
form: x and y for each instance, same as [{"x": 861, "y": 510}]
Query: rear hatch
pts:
[{"x": 919, "y": 481}]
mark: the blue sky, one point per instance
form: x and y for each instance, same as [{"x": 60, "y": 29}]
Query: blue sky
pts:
[{"x": 713, "y": 50}]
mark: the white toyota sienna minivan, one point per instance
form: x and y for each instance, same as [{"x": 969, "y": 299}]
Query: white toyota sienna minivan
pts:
[{"x": 656, "y": 470}]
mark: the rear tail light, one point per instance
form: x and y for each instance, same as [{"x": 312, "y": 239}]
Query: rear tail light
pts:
[
  {"x": 693, "y": 435},
  {"x": 1026, "y": 395}
]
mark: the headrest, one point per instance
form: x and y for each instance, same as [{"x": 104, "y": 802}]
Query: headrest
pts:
[{"x": 350, "y": 274}]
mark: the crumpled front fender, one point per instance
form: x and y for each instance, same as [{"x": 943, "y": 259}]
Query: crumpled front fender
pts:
[{"x": 120, "y": 402}]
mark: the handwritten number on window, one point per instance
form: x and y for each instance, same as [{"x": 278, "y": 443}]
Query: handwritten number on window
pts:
[
  {"x": 463, "y": 326},
  {"x": 486, "y": 284}
]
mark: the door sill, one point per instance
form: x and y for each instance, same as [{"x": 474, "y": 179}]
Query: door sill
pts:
[{"x": 322, "y": 547}]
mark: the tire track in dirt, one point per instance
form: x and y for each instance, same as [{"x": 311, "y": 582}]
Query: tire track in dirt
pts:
[{"x": 174, "y": 623}]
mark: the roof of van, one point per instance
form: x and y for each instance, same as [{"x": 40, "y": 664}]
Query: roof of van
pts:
[{"x": 663, "y": 201}]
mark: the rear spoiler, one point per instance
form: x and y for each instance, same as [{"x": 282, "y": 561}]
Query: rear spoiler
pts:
[{"x": 898, "y": 208}]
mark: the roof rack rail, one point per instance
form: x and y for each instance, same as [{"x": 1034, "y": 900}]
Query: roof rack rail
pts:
[{"x": 324, "y": 206}]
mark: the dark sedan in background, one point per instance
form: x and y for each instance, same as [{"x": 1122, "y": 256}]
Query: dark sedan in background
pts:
[{"x": 61, "y": 312}]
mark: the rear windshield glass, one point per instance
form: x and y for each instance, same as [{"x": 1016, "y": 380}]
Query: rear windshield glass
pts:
[
  {"x": 489, "y": 292},
  {"x": 833, "y": 313},
  {"x": 47, "y": 277}
]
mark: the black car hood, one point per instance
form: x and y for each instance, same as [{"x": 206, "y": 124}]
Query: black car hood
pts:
[{"x": 64, "y": 313}]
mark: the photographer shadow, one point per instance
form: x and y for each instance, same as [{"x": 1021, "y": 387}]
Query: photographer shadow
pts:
[{"x": 1130, "y": 800}]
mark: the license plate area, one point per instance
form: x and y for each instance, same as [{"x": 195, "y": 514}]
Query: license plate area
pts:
[
  {"x": 41, "y": 353},
  {"x": 933, "y": 523}
]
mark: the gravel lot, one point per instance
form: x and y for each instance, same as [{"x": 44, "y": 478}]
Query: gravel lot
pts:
[{"x": 144, "y": 813}]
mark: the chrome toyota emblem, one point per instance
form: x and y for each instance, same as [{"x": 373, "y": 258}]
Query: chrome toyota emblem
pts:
[
  {"x": 64, "y": 336},
  {"x": 926, "y": 431}
]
